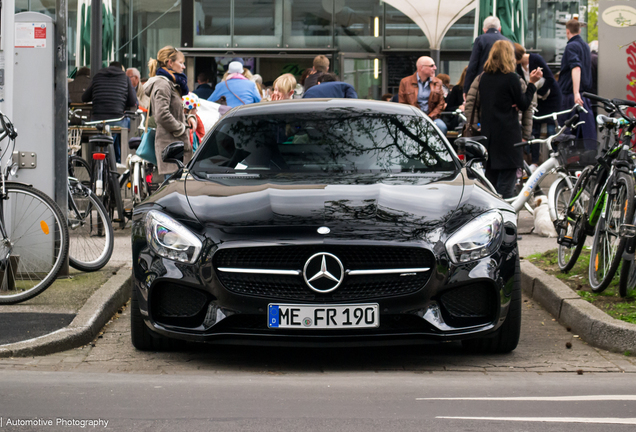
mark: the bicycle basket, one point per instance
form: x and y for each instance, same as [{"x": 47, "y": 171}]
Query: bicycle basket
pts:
[
  {"x": 575, "y": 155},
  {"x": 74, "y": 138}
]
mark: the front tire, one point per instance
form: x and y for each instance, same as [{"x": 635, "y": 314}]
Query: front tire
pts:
[
  {"x": 507, "y": 337},
  {"x": 608, "y": 246},
  {"x": 90, "y": 231},
  {"x": 37, "y": 241},
  {"x": 142, "y": 337}
]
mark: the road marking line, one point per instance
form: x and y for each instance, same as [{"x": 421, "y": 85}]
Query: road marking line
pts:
[
  {"x": 545, "y": 398},
  {"x": 627, "y": 421}
]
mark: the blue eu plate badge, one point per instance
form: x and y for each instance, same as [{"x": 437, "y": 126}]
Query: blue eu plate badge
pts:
[{"x": 273, "y": 315}]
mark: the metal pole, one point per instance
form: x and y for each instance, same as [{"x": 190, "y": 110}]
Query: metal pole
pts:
[
  {"x": 435, "y": 55},
  {"x": 60, "y": 156},
  {"x": 96, "y": 36}
]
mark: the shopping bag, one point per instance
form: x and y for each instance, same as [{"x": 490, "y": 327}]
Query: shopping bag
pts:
[{"x": 146, "y": 149}]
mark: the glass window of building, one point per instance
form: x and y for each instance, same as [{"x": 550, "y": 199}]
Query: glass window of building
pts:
[
  {"x": 365, "y": 75},
  {"x": 254, "y": 17},
  {"x": 212, "y": 17},
  {"x": 401, "y": 32},
  {"x": 358, "y": 25},
  {"x": 155, "y": 24},
  {"x": 308, "y": 23}
]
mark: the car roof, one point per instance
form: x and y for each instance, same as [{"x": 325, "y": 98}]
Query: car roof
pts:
[{"x": 298, "y": 106}]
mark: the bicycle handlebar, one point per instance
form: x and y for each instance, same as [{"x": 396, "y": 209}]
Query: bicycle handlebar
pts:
[
  {"x": 127, "y": 114},
  {"x": 553, "y": 115}
]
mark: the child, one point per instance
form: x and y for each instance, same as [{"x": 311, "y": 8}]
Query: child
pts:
[{"x": 197, "y": 130}]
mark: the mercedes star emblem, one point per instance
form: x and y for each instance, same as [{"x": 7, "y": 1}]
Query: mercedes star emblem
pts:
[{"x": 323, "y": 272}]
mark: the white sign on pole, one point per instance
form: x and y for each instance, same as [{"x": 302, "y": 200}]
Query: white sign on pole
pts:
[{"x": 30, "y": 35}]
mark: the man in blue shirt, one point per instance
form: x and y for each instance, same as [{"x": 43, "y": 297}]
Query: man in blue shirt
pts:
[
  {"x": 329, "y": 87},
  {"x": 575, "y": 78}
]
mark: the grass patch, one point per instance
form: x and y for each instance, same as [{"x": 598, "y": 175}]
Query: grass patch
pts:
[{"x": 608, "y": 301}]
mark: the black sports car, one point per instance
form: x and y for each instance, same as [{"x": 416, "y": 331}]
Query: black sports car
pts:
[{"x": 325, "y": 222}]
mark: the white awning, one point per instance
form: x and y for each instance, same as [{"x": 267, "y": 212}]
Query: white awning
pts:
[{"x": 434, "y": 17}]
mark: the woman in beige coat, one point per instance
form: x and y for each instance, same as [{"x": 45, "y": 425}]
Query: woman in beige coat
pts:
[{"x": 165, "y": 88}]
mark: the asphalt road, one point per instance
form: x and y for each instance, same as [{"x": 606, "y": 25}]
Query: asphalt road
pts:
[{"x": 318, "y": 401}]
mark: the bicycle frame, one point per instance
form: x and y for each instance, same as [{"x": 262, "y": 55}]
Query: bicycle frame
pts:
[{"x": 535, "y": 179}]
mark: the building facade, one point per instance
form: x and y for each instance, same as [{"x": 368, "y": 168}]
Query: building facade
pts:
[{"x": 372, "y": 45}]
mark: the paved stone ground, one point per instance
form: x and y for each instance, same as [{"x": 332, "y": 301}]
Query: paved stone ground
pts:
[{"x": 542, "y": 349}]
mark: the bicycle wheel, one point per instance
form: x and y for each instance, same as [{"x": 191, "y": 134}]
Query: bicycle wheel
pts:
[
  {"x": 570, "y": 226},
  {"x": 608, "y": 246},
  {"x": 36, "y": 243},
  {"x": 91, "y": 238},
  {"x": 80, "y": 169},
  {"x": 627, "y": 283}
]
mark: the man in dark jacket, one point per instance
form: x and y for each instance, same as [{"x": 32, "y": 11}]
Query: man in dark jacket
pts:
[
  {"x": 204, "y": 90},
  {"x": 575, "y": 78},
  {"x": 329, "y": 87},
  {"x": 111, "y": 93},
  {"x": 321, "y": 66},
  {"x": 481, "y": 49}
]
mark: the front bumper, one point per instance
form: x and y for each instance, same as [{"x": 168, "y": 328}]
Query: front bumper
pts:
[{"x": 189, "y": 302}]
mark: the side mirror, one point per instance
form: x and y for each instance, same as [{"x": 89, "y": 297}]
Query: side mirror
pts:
[
  {"x": 173, "y": 153},
  {"x": 475, "y": 152}
]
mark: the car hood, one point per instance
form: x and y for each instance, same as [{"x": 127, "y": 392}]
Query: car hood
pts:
[{"x": 364, "y": 207}]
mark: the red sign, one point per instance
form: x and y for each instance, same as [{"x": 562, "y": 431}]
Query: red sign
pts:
[{"x": 39, "y": 33}]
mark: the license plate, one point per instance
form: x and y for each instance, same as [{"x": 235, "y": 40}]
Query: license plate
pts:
[{"x": 323, "y": 316}]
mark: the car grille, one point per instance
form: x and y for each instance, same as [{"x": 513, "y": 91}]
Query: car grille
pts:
[
  {"x": 294, "y": 258},
  {"x": 470, "y": 304},
  {"x": 173, "y": 301}
]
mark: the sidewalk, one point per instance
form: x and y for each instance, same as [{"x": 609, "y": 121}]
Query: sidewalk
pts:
[{"x": 71, "y": 311}]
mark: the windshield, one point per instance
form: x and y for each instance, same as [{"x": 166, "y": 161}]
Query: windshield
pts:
[{"x": 324, "y": 142}]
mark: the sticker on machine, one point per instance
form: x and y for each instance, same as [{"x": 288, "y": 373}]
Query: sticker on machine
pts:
[{"x": 30, "y": 35}]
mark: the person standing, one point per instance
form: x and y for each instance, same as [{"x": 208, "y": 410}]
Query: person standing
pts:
[
  {"x": 237, "y": 89},
  {"x": 111, "y": 93},
  {"x": 481, "y": 49},
  {"x": 321, "y": 66},
  {"x": 204, "y": 88},
  {"x": 594, "y": 64},
  {"x": 575, "y": 77},
  {"x": 424, "y": 91},
  {"x": 500, "y": 97},
  {"x": 548, "y": 94},
  {"x": 165, "y": 88},
  {"x": 135, "y": 79}
]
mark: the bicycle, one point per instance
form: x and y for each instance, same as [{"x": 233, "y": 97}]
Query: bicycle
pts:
[
  {"x": 600, "y": 203},
  {"x": 90, "y": 230},
  {"x": 552, "y": 164},
  {"x": 33, "y": 233},
  {"x": 134, "y": 181},
  {"x": 106, "y": 185}
]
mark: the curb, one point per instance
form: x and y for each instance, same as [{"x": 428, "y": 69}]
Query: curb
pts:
[
  {"x": 592, "y": 324},
  {"x": 90, "y": 319}
]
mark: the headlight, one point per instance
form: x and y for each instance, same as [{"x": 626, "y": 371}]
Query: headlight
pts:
[
  {"x": 477, "y": 239},
  {"x": 169, "y": 239}
]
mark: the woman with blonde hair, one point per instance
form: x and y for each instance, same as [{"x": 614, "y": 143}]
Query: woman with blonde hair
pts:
[
  {"x": 166, "y": 86},
  {"x": 497, "y": 97},
  {"x": 284, "y": 87}
]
